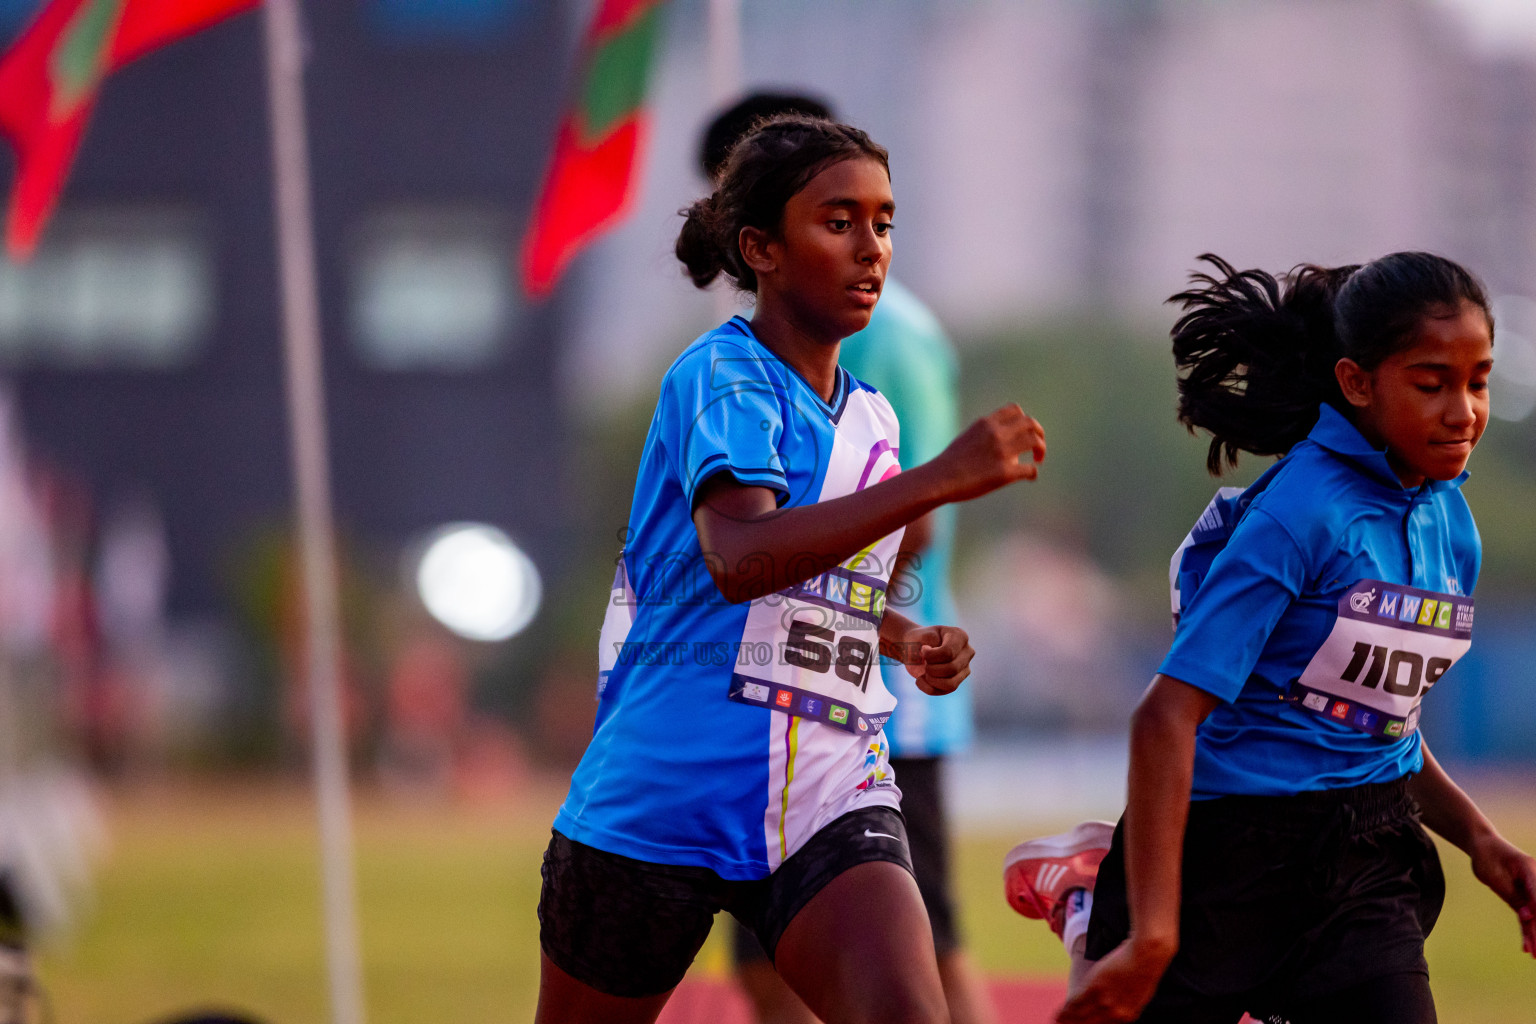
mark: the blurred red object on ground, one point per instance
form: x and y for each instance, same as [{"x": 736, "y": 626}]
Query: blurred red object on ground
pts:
[{"x": 720, "y": 1001}]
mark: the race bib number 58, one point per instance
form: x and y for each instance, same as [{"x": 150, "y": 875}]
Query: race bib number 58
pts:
[
  {"x": 821, "y": 640},
  {"x": 1389, "y": 645}
]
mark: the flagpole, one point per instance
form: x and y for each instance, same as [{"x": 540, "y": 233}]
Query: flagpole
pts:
[
  {"x": 724, "y": 61},
  {"x": 724, "y": 51},
  {"x": 311, "y": 472}
]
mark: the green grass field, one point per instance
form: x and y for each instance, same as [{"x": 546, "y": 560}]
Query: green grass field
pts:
[{"x": 210, "y": 898}]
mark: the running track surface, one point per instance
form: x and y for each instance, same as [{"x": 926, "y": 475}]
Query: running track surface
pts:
[
  {"x": 709, "y": 1001},
  {"x": 715, "y": 1001}
]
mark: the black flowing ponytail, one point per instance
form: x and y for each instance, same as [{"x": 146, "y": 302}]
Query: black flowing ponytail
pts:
[
  {"x": 1255, "y": 356},
  {"x": 1256, "y": 353}
]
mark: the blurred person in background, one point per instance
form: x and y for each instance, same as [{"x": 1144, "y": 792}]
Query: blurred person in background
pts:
[
  {"x": 50, "y": 830},
  {"x": 131, "y": 581},
  {"x": 906, "y": 356},
  {"x": 426, "y": 710}
]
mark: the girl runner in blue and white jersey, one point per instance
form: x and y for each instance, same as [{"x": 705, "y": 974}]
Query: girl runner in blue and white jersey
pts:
[
  {"x": 1271, "y": 858},
  {"x": 738, "y": 761}
]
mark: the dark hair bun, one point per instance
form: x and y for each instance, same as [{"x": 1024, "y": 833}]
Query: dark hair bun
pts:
[{"x": 697, "y": 244}]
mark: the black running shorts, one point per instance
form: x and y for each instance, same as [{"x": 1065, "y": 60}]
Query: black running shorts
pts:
[
  {"x": 630, "y": 928},
  {"x": 1287, "y": 900},
  {"x": 922, "y": 805}
]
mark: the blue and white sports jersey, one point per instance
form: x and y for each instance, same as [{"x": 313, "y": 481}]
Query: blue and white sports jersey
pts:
[
  {"x": 1330, "y": 543},
  {"x": 727, "y": 735}
]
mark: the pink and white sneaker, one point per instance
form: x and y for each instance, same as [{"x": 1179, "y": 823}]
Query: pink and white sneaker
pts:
[{"x": 1039, "y": 873}]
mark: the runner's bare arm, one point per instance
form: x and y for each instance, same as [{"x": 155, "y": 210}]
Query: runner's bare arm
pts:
[
  {"x": 1498, "y": 863},
  {"x": 756, "y": 548},
  {"x": 1157, "y": 807}
]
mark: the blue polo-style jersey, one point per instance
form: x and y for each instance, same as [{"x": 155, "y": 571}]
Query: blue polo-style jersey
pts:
[
  {"x": 905, "y": 353},
  {"x": 1331, "y": 523},
  {"x": 728, "y": 734}
]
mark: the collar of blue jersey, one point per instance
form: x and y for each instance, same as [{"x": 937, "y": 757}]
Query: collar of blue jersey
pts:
[
  {"x": 833, "y": 408},
  {"x": 1335, "y": 433}
]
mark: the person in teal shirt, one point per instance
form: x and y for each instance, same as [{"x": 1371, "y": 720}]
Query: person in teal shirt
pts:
[{"x": 906, "y": 355}]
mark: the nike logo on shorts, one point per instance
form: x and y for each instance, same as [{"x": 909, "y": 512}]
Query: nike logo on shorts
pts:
[{"x": 880, "y": 835}]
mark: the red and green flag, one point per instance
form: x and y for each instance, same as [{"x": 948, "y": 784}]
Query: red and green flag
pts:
[
  {"x": 593, "y": 177},
  {"x": 49, "y": 80}
]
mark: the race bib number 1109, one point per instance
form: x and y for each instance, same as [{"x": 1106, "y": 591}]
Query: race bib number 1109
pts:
[{"x": 1389, "y": 645}]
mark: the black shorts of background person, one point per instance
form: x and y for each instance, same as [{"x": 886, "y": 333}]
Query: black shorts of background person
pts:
[
  {"x": 631, "y": 928},
  {"x": 1304, "y": 909},
  {"x": 927, "y": 820}
]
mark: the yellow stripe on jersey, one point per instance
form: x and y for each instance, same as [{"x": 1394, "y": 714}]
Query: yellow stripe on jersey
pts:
[
  {"x": 793, "y": 740},
  {"x": 858, "y": 559}
]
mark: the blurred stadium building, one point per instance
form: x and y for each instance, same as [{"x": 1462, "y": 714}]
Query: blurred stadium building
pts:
[
  {"x": 144, "y": 338},
  {"x": 1051, "y": 158}
]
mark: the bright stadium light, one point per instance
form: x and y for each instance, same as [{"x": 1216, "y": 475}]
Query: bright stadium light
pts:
[{"x": 475, "y": 581}]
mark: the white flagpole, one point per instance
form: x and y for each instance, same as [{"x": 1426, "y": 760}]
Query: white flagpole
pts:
[
  {"x": 311, "y": 472},
  {"x": 724, "y": 60},
  {"x": 724, "y": 51}
]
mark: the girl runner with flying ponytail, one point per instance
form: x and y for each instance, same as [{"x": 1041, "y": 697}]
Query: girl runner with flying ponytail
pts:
[{"x": 1272, "y": 857}]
